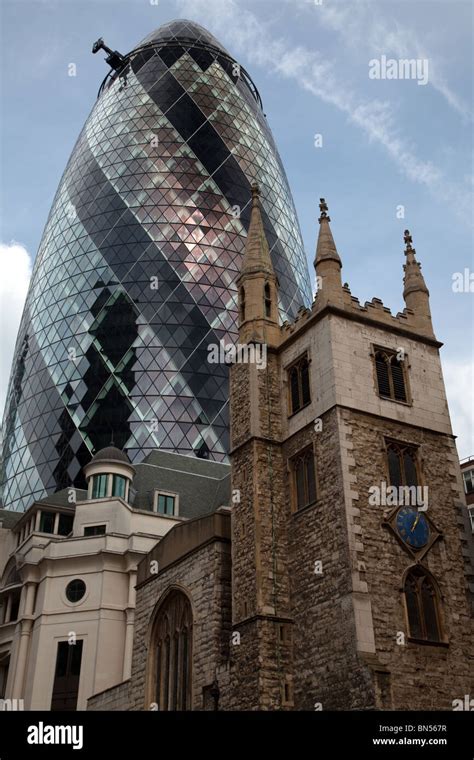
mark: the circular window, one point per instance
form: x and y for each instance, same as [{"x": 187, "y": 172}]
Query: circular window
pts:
[{"x": 75, "y": 590}]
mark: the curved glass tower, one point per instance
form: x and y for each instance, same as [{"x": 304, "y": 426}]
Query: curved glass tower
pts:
[{"x": 135, "y": 272}]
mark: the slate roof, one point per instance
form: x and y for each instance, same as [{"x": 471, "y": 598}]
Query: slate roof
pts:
[
  {"x": 203, "y": 486},
  {"x": 61, "y": 498},
  {"x": 8, "y": 518}
]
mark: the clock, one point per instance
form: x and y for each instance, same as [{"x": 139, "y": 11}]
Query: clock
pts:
[{"x": 412, "y": 527}]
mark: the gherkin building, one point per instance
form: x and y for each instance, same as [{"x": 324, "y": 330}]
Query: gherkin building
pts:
[{"x": 135, "y": 273}]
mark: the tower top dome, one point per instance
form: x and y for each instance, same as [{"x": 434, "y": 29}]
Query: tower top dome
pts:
[
  {"x": 110, "y": 454},
  {"x": 182, "y": 30}
]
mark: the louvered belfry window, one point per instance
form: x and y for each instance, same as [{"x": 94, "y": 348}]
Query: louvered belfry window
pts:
[{"x": 391, "y": 380}]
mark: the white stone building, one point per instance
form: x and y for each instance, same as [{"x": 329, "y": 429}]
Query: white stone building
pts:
[{"x": 68, "y": 572}]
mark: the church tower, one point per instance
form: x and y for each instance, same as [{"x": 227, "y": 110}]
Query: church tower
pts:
[
  {"x": 261, "y": 643},
  {"x": 352, "y": 583}
]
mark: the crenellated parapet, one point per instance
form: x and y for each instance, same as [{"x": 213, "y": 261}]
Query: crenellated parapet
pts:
[{"x": 333, "y": 296}]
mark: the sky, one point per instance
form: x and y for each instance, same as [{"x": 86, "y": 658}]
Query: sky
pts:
[{"x": 386, "y": 153}]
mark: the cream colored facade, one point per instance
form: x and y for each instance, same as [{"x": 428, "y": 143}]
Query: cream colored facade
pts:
[
  {"x": 103, "y": 618},
  {"x": 75, "y": 536}
]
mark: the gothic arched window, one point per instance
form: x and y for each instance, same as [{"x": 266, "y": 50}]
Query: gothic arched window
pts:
[
  {"x": 170, "y": 660},
  {"x": 304, "y": 479},
  {"x": 402, "y": 464},
  {"x": 423, "y": 606}
]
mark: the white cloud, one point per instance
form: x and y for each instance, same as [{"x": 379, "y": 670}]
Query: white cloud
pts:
[
  {"x": 360, "y": 26},
  {"x": 15, "y": 273},
  {"x": 315, "y": 73},
  {"x": 459, "y": 380}
]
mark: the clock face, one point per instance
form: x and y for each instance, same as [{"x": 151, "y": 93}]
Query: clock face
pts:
[{"x": 413, "y": 527}]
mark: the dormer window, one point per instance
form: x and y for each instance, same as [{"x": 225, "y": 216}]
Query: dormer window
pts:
[{"x": 166, "y": 503}]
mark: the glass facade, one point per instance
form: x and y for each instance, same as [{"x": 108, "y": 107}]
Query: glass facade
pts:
[{"x": 135, "y": 272}]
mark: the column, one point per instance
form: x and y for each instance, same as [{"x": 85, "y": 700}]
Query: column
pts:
[
  {"x": 26, "y": 624},
  {"x": 130, "y": 623}
]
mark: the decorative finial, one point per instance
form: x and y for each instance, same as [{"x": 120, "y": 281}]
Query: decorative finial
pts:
[
  {"x": 408, "y": 240},
  {"x": 323, "y": 207}
]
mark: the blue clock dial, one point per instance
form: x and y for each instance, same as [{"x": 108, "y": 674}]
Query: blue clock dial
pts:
[{"x": 413, "y": 527}]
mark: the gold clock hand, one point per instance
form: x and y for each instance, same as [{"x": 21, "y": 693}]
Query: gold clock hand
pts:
[{"x": 415, "y": 523}]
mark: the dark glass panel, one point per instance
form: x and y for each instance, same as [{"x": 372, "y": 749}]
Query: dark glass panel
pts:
[
  {"x": 158, "y": 655},
  {"x": 268, "y": 300},
  {"x": 99, "y": 486},
  {"x": 394, "y": 466},
  {"x": 118, "y": 486},
  {"x": 413, "y": 609},
  {"x": 409, "y": 465},
  {"x": 311, "y": 478},
  {"x": 294, "y": 390},
  {"x": 94, "y": 530},
  {"x": 185, "y": 671},
  {"x": 76, "y": 656},
  {"x": 300, "y": 483},
  {"x": 15, "y": 606},
  {"x": 65, "y": 524},
  {"x": 174, "y": 700},
  {"x": 47, "y": 522},
  {"x": 75, "y": 590},
  {"x": 305, "y": 390},
  {"x": 62, "y": 658},
  {"x": 428, "y": 599},
  {"x": 166, "y": 674},
  {"x": 166, "y": 504}
]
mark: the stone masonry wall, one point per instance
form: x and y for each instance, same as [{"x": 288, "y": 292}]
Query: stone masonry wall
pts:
[
  {"x": 421, "y": 676},
  {"x": 261, "y": 674},
  {"x": 115, "y": 698},
  {"x": 328, "y": 674},
  {"x": 205, "y": 576}
]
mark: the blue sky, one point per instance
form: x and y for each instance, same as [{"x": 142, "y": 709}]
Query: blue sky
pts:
[{"x": 385, "y": 143}]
